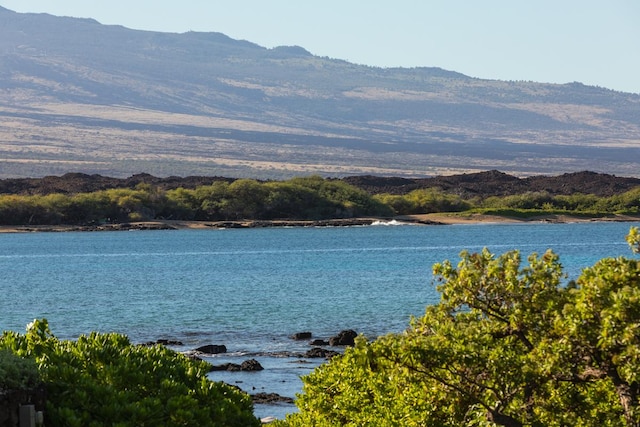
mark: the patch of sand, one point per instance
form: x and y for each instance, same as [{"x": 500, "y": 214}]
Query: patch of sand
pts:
[{"x": 456, "y": 218}]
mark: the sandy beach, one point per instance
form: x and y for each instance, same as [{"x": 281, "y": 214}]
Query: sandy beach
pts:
[{"x": 461, "y": 218}]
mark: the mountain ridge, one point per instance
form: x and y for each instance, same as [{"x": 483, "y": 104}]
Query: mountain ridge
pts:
[{"x": 77, "y": 95}]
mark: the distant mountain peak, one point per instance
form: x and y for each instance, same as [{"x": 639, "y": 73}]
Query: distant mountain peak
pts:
[{"x": 292, "y": 50}]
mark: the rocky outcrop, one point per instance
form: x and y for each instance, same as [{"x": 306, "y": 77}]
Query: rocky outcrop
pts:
[
  {"x": 232, "y": 367},
  {"x": 344, "y": 338},
  {"x": 250, "y": 365},
  {"x": 163, "y": 341},
  {"x": 270, "y": 398},
  {"x": 318, "y": 352},
  {"x": 73, "y": 183},
  {"x": 212, "y": 349},
  {"x": 483, "y": 184},
  {"x": 299, "y": 336},
  {"x": 496, "y": 183}
]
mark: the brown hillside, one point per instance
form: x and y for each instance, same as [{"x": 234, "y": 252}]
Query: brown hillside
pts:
[{"x": 80, "y": 96}]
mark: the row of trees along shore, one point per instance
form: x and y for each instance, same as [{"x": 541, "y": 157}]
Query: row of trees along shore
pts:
[{"x": 298, "y": 198}]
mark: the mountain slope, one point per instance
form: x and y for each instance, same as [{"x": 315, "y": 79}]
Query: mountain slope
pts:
[{"x": 76, "y": 95}]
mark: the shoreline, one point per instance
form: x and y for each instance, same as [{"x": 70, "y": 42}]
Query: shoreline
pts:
[
  {"x": 418, "y": 219},
  {"x": 474, "y": 218}
]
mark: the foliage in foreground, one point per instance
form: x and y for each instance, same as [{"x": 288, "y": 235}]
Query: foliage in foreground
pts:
[
  {"x": 508, "y": 345},
  {"x": 17, "y": 373},
  {"x": 103, "y": 380}
]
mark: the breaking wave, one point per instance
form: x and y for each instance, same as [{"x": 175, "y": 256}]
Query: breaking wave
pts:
[{"x": 393, "y": 222}]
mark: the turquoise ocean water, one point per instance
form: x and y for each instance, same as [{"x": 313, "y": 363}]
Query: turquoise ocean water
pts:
[{"x": 250, "y": 289}]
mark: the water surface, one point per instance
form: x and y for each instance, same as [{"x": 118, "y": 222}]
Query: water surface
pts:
[{"x": 250, "y": 289}]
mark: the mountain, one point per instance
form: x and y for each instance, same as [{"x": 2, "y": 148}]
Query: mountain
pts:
[{"x": 79, "y": 96}]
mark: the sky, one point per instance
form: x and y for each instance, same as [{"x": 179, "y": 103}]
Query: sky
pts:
[{"x": 595, "y": 42}]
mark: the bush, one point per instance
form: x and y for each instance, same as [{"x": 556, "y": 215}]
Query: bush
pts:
[
  {"x": 507, "y": 345},
  {"x": 104, "y": 380},
  {"x": 17, "y": 373}
]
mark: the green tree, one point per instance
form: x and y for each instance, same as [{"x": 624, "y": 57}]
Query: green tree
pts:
[
  {"x": 509, "y": 344},
  {"x": 90, "y": 207},
  {"x": 628, "y": 202},
  {"x": 18, "y": 210},
  {"x": 246, "y": 200},
  {"x": 212, "y": 200},
  {"x": 17, "y": 373},
  {"x": 132, "y": 205},
  {"x": 529, "y": 200},
  {"x": 341, "y": 200},
  {"x": 399, "y": 204},
  {"x": 434, "y": 200},
  {"x": 577, "y": 202},
  {"x": 290, "y": 200},
  {"x": 180, "y": 203},
  {"x": 103, "y": 380}
]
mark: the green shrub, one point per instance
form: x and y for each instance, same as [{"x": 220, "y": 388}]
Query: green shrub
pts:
[
  {"x": 104, "y": 380},
  {"x": 508, "y": 345},
  {"x": 17, "y": 373}
]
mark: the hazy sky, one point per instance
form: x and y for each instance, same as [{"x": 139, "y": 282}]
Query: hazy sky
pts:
[{"x": 557, "y": 41}]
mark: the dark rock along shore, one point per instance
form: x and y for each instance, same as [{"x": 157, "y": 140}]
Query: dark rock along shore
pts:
[{"x": 343, "y": 339}]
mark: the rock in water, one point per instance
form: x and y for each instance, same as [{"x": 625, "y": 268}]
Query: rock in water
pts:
[
  {"x": 346, "y": 337},
  {"x": 212, "y": 349},
  {"x": 251, "y": 365},
  {"x": 301, "y": 336},
  {"x": 320, "y": 352}
]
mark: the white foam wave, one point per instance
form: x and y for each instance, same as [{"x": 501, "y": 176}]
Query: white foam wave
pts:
[{"x": 393, "y": 222}]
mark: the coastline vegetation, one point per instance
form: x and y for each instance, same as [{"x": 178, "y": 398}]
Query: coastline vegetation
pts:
[
  {"x": 104, "y": 380},
  {"x": 304, "y": 198},
  {"x": 508, "y": 345}
]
